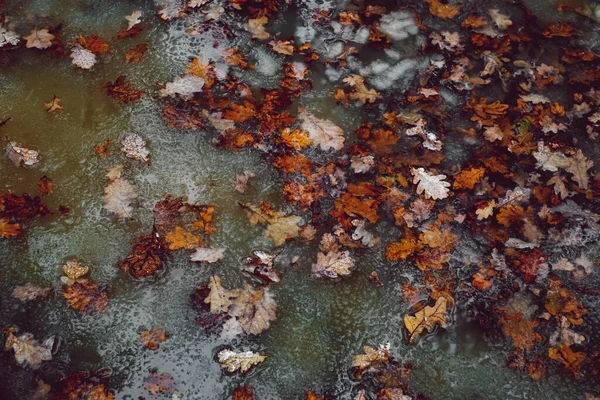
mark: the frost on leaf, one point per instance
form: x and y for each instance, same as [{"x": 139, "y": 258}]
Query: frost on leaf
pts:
[
  {"x": 427, "y": 318},
  {"x": 133, "y": 19},
  {"x": 549, "y": 160},
  {"x": 117, "y": 198},
  {"x": 434, "y": 186},
  {"x": 135, "y": 147},
  {"x": 206, "y": 254},
  {"x": 279, "y": 226},
  {"x": 241, "y": 362},
  {"x": 501, "y": 20},
  {"x": 257, "y": 28},
  {"x": 73, "y": 270},
  {"x": 322, "y": 132},
  {"x": 8, "y": 37},
  {"x": 21, "y": 155},
  {"x": 28, "y": 351},
  {"x": 39, "y": 39},
  {"x": 254, "y": 309},
  {"x": 30, "y": 292},
  {"x": 83, "y": 58},
  {"x": 430, "y": 140},
  {"x": 184, "y": 86},
  {"x": 331, "y": 261}
]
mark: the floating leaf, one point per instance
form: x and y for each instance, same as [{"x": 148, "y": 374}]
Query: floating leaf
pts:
[
  {"x": 123, "y": 90},
  {"x": 322, "y": 132},
  {"x": 332, "y": 263},
  {"x": 84, "y": 295},
  {"x": 39, "y": 39},
  {"x": 372, "y": 360},
  {"x": 427, "y": 318},
  {"x": 158, "y": 383},
  {"x": 53, "y": 105},
  {"x": 30, "y": 292},
  {"x": 8, "y": 229},
  {"x": 133, "y": 19},
  {"x": 241, "y": 362},
  {"x": 83, "y": 58},
  {"x": 21, "y": 155},
  {"x": 117, "y": 198},
  {"x": 434, "y": 186},
  {"x": 152, "y": 339},
  {"x": 254, "y": 308},
  {"x": 279, "y": 226},
  {"x": 135, "y": 147},
  {"x": 206, "y": 254},
  {"x": 146, "y": 256}
]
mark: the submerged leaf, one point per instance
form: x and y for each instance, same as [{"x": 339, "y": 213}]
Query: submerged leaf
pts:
[
  {"x": 28, "y": 351},
  {"x": 427, "y": 318},
  {"x": 279, "y": 226}
]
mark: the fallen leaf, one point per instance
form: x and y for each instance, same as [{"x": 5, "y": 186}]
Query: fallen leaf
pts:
[
  {"x": 30, "y": 292},
  {"x": 135, "y": 55},
  {"x": 372, "y": 360},
  {"x": 434, "y": 186},
  {"x": 439, "y": 9},
  {"x": 501, "y": 20},
  {"x": 123, "y": 90},
  {"x": 578, "y": 166},
  {"x": 102, "y": 150},
  {"x": 257, "y": 28},
  {"x": 569, "y": 358},
  {"x": 21, "y": 155},
  {"x": 84, "y": 295},
  {"x": 239, "y": 361},
  {"x": 254, "y": 309},
  {"x": 28, "y": 351},
  {"x": 83, "y": 58},
  {"x": 182, "y": 239},
  {"x": 158, "y": 383},
  {"x": 184, "y": 86},
  {"x": 206, "y": 254},
  {"x": 152, "y": 339},
  {"x": 133, "y": 19},
  {"x": 117, "y": 198},
  {"x": 262, "y": 265},
  {"x": 135, "y": 147},
  {"x": 53, "y": 105},
  {"x": 285, "y": 47},
  {"x": 427, "y": 318},
  {"x": 323, "y": 133},
  {"x": 279, "y": 226},
  {"x": 146, "y": 256},
  {"x": 332, "y": 263},
  {"x": 241, "y": 181},
  {"x": 219, "y": 298},
  {"x": 245, "y": 393},
  {"x": 39, "y": 39},
  {"x": 468, "y": 178},
  {"x": 8, "y": 229}
]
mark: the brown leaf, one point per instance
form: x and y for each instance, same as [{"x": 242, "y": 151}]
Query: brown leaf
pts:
[
  {"x": 158, "y": 383},
  {"x": 520, "y": 330},
  {"x": 21, "y": 207},
  {"x": 53, "y": 105},
  {"x": 279, "y": 226},
  {"x": 439, "y": 9},
  {"x": 28, "y": 351},
  {"x": 468, "y": 178},
  {"x": 244, "y": 393},
  {"x": 8, "y": 229},
  {"x": 426, "y": 318},
  {"x": 94, "y": 44},
  {"x": 182, "y": 239},
  {"x": 372, "y": 360},
  {"x": 135, "y": 55},
  {"x": 125, "y": 33},
  {"x": 84, "y": 295},
  {"x": 102, "y": 150},
  {"x": 146, "y": 256},
  {"x": 152, "y": 339},
  {"x": 560, "y": 29},
  {"x": 254, "y": 309},
  {"x": 29, "y": 292},
  {"x": 122, "y": 90},
  {"x": 45, "y": 185},
  {"x": 569, "y": 358}
]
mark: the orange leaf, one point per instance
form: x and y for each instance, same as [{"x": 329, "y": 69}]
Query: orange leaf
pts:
[
  {"x": 446, "y": 11},
  {"x": 401, "y": 250},
  {"x": 8, "y": 230},
  {"x": 240, "y": 113},
  {"x": 45, "y": 185},
  {"x": 468, "y": 178},
  {"x": 94, "y": 44},
  {"x": 296, "y": 139},
  {"x": 569, "y": 358},
  {"x": 351, "y": 205},
  {"x": 135, "y": 55},
  {"x": 102, "y": 150},
  {"x": 561, "y": 29}
]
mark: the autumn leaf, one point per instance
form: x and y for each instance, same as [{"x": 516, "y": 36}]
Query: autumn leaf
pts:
[
  {"x": 331, "y": 262},
  {"x": 279, "y": 226},
  {"x": 21, "y": 155},
  {"x": 285, "y": 47},
  {"x": 254, "y": 309},
  {"x": 135, "y": 55},
  {"x": 84, "y": 295},
  {"x": 219, "y": 298},
  {"x": 117, "y": 197},
  {"x": 39, "y": 39},
  {"x": 519, "y": 329},
  {"x": 560, "y": 29},
  {"x": 30, "y": 292},
  {"x": 569, "y": 358},
  {"x": 205, "y": 254},
  {"x": 146, "y": 256},
  {"x": 122, "y": 90},
  {"x": 134, "y": 147},
  {"x": 83, "y": 58},
  {"x": 323, "y": 133},
  {"x": 501, "y": 20},
  {"x": 360, "y": 91},
  {"x": 244, "y": 393},
  {"x": 184, "y": 86},
  {"x": 439, "y": 9},
  {"x": 28, "y": 351},
  {"x": 578, "y": 166},
  {"x": 434, "y": 186},
  {"x": 183, "y": 239},
  {"x": 53, "y": 105},
  {"x": 371, "y": 360},
  {"x": 151, "y": 339},
  {"x": 468, "y": 178},
  {"x": 241, "y": 362},
  {"x": 102, "y": 150},
  {"x": 241, "y": 181},
  {"x": 8, "y": 229},
  {"x": 398, "y": 251},
  {"x": 157, "y": 383},
  {"x": 257, "y": 28},
  {"x": 21, "y": 208},
  {"x": 133, "y": 19},
  {"x": 427, "y": 318}
]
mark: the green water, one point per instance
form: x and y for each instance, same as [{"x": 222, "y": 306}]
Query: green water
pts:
[{"x": 321, "y": 325}]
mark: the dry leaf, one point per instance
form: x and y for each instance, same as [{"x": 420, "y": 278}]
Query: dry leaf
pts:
[{"x": 133, "y": 19}]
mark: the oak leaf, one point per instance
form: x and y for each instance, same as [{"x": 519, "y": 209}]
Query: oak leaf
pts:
[
  {"x": 285, "y": 47},
  {"x": 578, "y": 166},
  {"x": 83, "y": 58},
  {"x": 135, "y": 55},
  {"x": 219, "y": 298},
  {"x": 209, "y": 255},
  {"x": 296, "y": 139},
  {"x": 146, "y": 256},
  {"x": 427, "y": 318},
  {"x": 569, "y": 358},
  {"x": 371, "y": 359},
  {"x": 257, "y": 28},
  {"x": 28, "y": 351},
  {"x": 184, "y": 86},
  {"x": 439, "y": 9},
  {"x": 434, "y": 186},
  {"x": 117, "y": 197},
  {"x": 84, "y": 295},
  {"x": 519, "y": 329},
  {"x": 331, "y": 262},
  {"x": 279, "y": 226},
  {"x": 254, "y": 309},
  {"x": 239, "y": 361},
  {"x": 133, "y": 19},
  {"x": 468, "y": 178},
  {"x": 323, "y": 133}
]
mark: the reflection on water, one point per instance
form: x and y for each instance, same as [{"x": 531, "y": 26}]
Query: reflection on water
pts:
[{"x": 320, "y": 324}]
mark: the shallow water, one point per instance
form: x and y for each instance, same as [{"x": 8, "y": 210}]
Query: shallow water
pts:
[{"x": 321, "y": 325}]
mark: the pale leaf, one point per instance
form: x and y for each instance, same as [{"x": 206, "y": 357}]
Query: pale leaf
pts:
[
  {"x": 135, "y": 147},
  {"x": 241, "y": 362},
  {"x": 434, "y": 186},
  {"x": 206, "y": 254},
  {"x": 322, "y": 132}
]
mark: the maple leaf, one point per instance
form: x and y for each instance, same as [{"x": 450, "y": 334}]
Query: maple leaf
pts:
[
  {"x": 123, "y": 90},
  {"x": 146, "y": 256},
  {"x": 30, "y": 292},
  {"x": 83, "y": 58},
  {"x": 427, "y": 318},
  {"x": 468, "y": 178},
  {"x": 135, "y": 55},
  {"x": 133, "y": 19},
  {"x": 332, "y": 263},
  {"x": 135, "y": 147},
  {"x": 257, "y": 28},
  {"x": 28, "y": 351},
  {"x": 184, "y": 86},
  {"x": 279, "y": 226},
  {"x": 569, "y": 358},
  {"x": 117, "y": 197},
  {"x": 152, "y": 339},
  {"x": 439, "y": 9},
  {"x": 8, "y": 229},
  {"x": 206, "y": 254},
  {"x": 39, "y": 39},
  {"x": 372, "y": 360},
  {"x": 158, "y": 383},
  {"x": 322, "y": 132},
  {"x": 21, "y": 155},
  {"x": 433, "y": 185},
  {"x": 84, "y": 295},
  {"x": 53, "y": 105},
  {"x": 239, "y": 361}
]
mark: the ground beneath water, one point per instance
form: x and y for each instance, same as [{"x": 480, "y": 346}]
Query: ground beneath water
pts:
[{"x": 321, "y": 324}]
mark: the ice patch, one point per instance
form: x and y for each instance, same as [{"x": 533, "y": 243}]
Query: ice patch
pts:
[
  {"x": 267, "y": 64},
  {"x": 398, "y": 25}
]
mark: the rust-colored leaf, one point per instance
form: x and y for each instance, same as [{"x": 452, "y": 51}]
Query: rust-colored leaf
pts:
[
  {"x": 45, "y": 185},
  {"x": 122, "y": 90},
  {"x": 146, "y": 256},
  {"x": 442, "y": 10},
  {"x": 85, "y": 295},
  {"x": 152, "y": 339},
  {"x": 468, "y": 178},
  {"x": 135, "y": 55}
]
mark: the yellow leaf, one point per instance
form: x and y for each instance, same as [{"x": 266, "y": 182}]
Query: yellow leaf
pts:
[
  {"x": 182, "y": 239},
  {"x": 427, "y": 318}
]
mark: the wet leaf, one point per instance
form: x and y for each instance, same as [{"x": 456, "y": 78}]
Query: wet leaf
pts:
[
  {"x": 254, "y": 309},
  {"x": 219, "y": 298},
  {"x": 157, "y": 383},
  {"x": 183, "y": 239},
  {"x": 257, "y": 28},
  {"x": 241, "y": 181},
  {"x": 122, "y": 90},
  {"x": 28, "y": 351},
  {"x": 135, "y": 55},
  {"x": 53, "y": 105},
  {"x": 331, "y": 262},
  {"x": 135, "y": 147},
  {"x": 184, "y": 86},
  {"x": 434, "y": 186},
  {"x": 442, "y": 10},
  {"x": 244, "y": 393},
  {"x": 30, "y": 292},
  {"x": 427, "y": 318},
  {"x": 21, "y": 155},
  {"x": 372, "y": 360},
  {"x": 133, "y": 19},
  {"x": 468, "y": 178},
  {"x": 117, "y": 197},
  {"x": 206, "y": 254},
  {"x": 569, "y": 358},
  {"x": 102, "y": 150},
  {"x": 39, "y": 39},
  {"x": 151, "y": 339},
  {"x": 83, "y": 58},
  {"x": 146, "y": 256},
  {"x": 279, "y": 226},
  {"x": 241, "y": 362},
  {"x": 323, "y": 133},
  {"x": 519, "y": 329},
  {"x": 8, "y": 229},
  {"x": 85, "y": 295}
]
